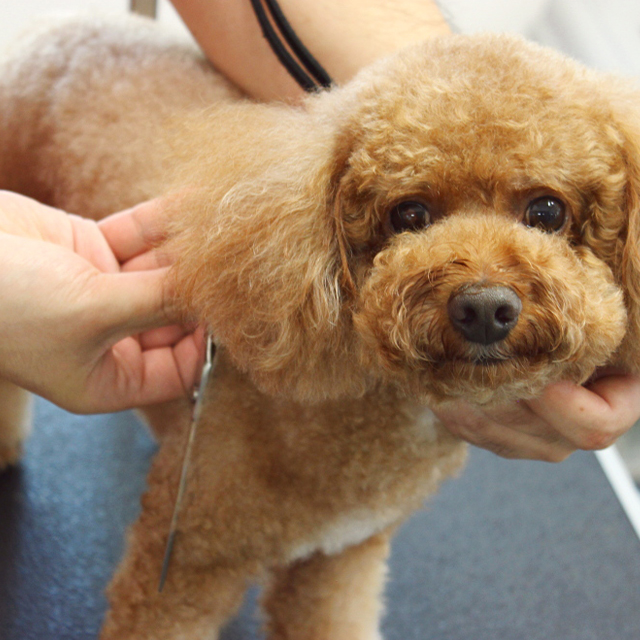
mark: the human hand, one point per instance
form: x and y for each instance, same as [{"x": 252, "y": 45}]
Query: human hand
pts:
[
  {"x": 565, "y": 418},
  {"x": 78, "y": 327}
]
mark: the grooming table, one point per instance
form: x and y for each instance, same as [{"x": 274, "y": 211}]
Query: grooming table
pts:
[{"x": 510, "y": 550}]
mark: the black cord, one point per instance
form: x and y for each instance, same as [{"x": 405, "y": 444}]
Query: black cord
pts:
[
  {"x": 296, "y": 45},
  {"x": 304, "y": 76}
]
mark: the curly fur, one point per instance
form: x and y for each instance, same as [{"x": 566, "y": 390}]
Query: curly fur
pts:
[{"x": 317, "y": 439}]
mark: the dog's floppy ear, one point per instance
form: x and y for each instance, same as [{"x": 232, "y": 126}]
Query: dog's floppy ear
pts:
[
  {"x": 258, "y": 255},
  {"x": 627, "y": 260}
]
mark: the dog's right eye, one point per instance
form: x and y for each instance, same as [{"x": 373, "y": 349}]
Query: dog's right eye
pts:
[
  {"x": 409, "y": 215},
  {"x": 547, "y": 213}
]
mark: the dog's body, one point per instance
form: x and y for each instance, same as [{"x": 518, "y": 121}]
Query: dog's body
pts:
[{"x": 338, "y": 252}]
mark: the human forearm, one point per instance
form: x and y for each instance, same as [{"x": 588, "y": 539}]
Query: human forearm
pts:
[{"x": 344, "y": 35}]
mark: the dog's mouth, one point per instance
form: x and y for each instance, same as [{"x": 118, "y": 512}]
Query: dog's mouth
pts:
[
  {"x": 489, "y": 361},
  {"x": 500, "y": 356},
  {"x": 497, "y": 361}
]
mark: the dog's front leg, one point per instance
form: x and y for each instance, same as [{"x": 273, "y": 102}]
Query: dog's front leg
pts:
[
  {"x": 202, "y": 589},
  {"x": 337, "y": 597},
  {"x": 195, "y": 601}
]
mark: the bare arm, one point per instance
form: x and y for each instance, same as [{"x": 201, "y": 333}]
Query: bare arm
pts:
[{"x": 344, "y": 35}]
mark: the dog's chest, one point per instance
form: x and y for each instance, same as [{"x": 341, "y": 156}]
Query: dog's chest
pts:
[
  {"x": 348, "y": 530},
  {"x": 383, "y": 482}
]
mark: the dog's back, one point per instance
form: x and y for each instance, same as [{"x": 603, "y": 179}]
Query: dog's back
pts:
[{"x": 87, "y": 107}]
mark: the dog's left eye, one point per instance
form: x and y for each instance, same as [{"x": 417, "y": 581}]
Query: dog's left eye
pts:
[
  {"x": 547, "y": 213},
  {"x": 409, "y": 216}
]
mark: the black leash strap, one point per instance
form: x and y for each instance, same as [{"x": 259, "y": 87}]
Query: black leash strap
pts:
[{"x": 284, "y": 42}]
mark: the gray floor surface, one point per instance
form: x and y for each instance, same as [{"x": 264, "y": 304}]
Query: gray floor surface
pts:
[{"x": 509, "y": 550}]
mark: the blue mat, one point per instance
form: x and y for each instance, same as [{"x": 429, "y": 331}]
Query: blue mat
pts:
[{"x": 510, "y": 550}]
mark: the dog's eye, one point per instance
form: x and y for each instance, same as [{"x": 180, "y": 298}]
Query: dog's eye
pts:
[
  {"x": 409, "y": 216},
  {"x": 547, "y": 213}
]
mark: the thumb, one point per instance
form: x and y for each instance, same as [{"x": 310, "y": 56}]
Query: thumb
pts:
[{"x": 136, "y": 301}]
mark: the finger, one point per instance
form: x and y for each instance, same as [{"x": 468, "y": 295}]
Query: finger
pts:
[
  {"x": 515, "y": 416},
  {"x": 621, "y": 393},
  {"x": 189, "y": 354},
  {"x": 154, "y": 259},
  {"x": 476, "y": 427},
  {"x": 136, "y": 230},
  {"x": 90, "y": 243},
  {"x": 591, "y": 417},
  {"x": 166, "y": 373},
  {"x": 200, "y": 341},
  {"x": 519, "y": 417},
  {"x": 28, "y": 218},
  {"x": 620, "y": 404},
  {"x": 516, "y": 445},
  {"x": 23, "y": 216},
  {"x": 163, "y": 336},
  {"x": 132, "y": 303},
  {"x": 126, "y": 376}
]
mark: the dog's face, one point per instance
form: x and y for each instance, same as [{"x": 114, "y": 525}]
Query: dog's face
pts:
[
  {"x": 473, "y": 233},
  {"x": 484, "y": 216},
  {"x": 485, "y": 212}
]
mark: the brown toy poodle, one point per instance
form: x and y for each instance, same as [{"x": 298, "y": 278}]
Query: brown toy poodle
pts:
[{"x": 459, "y": 221}]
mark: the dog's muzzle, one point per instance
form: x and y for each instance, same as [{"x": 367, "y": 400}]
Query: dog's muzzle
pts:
[{"x": 484, "y": 315}]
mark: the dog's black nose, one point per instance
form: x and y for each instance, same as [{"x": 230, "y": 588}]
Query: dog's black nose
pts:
[{"x": 485, "y": 314}]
